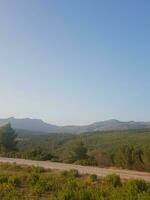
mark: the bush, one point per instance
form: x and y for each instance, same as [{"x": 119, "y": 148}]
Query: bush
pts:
[
  {"x": 82, "y": 162},
  {"x": 144, "y": 196},
  {"x": 113, "y": 179},
  {"x": 136, "y": 186},
  {"x": 93, "y": 177},
  {"x": 41, "y": 186},
  {"x": 9, "y": 192},
  {"x": 34, "y": 183},
  {"x": 39, "y": 170},
  {"x": 71, "y": 174},
  {"x": 15, "y": 181},
  {"x": 3, "y": 178},
  {"x": 33, "y": 178}
]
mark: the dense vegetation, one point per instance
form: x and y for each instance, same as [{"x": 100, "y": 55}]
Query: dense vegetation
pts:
[
  {"x": 23, "y": 183},
  {"x": 125, "y": 149}
]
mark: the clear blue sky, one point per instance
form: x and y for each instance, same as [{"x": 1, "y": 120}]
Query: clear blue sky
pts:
[{"x": 75, "y": 61}]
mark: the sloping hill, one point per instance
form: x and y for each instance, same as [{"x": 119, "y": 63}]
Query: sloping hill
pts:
[
  {"x": 38, "y": 125},
  {"x": 29, "y": 124}
]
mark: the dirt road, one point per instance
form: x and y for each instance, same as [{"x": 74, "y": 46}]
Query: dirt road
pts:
[{"x": 124, "y": 174}]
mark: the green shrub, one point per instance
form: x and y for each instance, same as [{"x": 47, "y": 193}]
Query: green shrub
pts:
[
  {"x": 9, "y": 192},
  {"x": 93, "y": 177},
  {"x": 81, "y": 162},
  {"x": 113, "y": 179},
  {"x": 72, "y": 173},
  {"x": 14, "y": 180},
  {"x": 33, "y": 183},
  {"x": 38, "y": 170},
  {"x": 144, "y": 196},
  {"x": 42, "y": 185},
  {"x": 3, "y": 178},
  {"x": 33, "y": 178},
  {"x": 136, "y": 186}
]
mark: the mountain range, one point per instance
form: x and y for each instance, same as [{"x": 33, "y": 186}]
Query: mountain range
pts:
[{"x": 37, "y": 125}]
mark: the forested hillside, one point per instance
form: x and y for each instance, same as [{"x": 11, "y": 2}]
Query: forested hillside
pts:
[{"x": 124, "y": 149}]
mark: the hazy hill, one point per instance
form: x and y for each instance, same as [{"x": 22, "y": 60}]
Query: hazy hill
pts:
[
  {"x": 29, "y": 124},
  {"x": 38, "y": 125}
]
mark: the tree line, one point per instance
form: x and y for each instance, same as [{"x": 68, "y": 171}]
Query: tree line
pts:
[{"x": 124, "y": 149}]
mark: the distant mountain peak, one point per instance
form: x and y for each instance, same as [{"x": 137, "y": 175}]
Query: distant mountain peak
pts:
[
  {"x": 38, "y": 125},
  {"x": 11, "y": 118},
  {"x": 112, "y": 120}
]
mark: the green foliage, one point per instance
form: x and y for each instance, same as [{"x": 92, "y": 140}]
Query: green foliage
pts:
[
  {"x": 3, "y": 178},
  {"x": 24, "y": 183},
  {"x": 42, "y": 185},
  {"x": 135, "y": 186},
  {"x": 82, "y": 162},
  {"x": 71, "y": 174},
  {"x": 114, "y": 180},
  {"x": 14, "y": 180},
  {"x": 9, "y": 192},
  {"x": 33, "y": 178},
  {"x": 36, "y": 154},
  {"x": 7, "y": 138},
  {"x": 78, "y": 152},
  {"x": 129, "y": 157},
  {"x": 126, "y": 149},
  {"x": 93, "y": 177}
]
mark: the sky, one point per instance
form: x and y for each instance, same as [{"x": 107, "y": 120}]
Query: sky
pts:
[{"x": 75, "y": 61}]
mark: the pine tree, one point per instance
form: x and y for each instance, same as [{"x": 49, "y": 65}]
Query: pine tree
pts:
[{"x": 7, "y": 138}]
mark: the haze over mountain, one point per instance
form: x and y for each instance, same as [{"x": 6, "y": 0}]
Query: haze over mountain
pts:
[{"x": 38, "y": 125}]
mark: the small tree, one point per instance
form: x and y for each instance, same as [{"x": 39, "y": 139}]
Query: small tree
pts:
[
  {"x": 78, "y": 152},
  {"x": 7, "y": 138}
]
